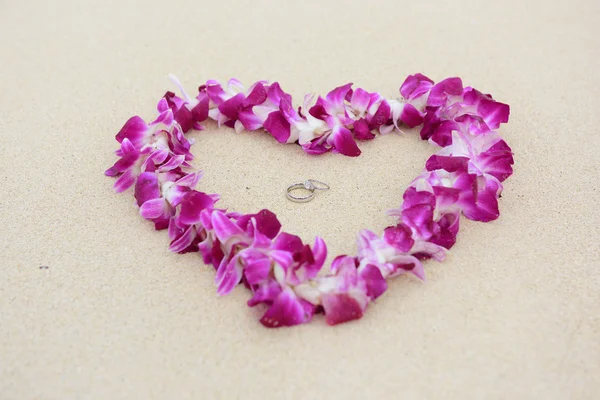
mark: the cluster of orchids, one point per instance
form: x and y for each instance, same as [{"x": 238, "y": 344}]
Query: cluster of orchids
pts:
[{"x": 284, "y": 274}]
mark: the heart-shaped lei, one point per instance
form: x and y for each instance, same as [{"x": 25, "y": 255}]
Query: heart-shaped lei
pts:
[{"x": 465, "y": 176}]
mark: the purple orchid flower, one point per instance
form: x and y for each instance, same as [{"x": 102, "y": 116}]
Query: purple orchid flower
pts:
[
  {"x": 343, "y": 293},
  {"x": 285, "y": 286}
]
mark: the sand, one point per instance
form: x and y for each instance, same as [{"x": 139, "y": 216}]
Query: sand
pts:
[{"x": 513, "y": 312}]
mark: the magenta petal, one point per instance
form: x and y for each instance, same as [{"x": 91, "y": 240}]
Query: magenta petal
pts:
[
  {"x": 259, "y": 240},
  {"x": 175, "y": 229},
  {"x": 382, "y": 115},
  {"x": 184, "y": 240},
  {"x": 315, "y": 147},
  {"x": 337, "y": 95},
  {"x": 446, "y": 236},
  {"x": 374, "y": 280},
  {"x": 278, "y": 126},
  {"x": 267, "y": 223},
  {"x": 447, "y": 163},
  {"x": 284, "y": 258},
  {"x": 362, "y": 131},
  {"x": 440, "y": 91},
  {"x": 250, "y": 121},
  {"x": 162, "y": 222},
  {"x": 494, "y": 113},
  {"x": 340, "y": 307},
  {"x": 192, "y": 205},
  {"x": 257, "y": 267},
  {"x": 287, "y": 310},
  {"x": 257, "y": 96},
  {"x": 344, "y": 142},
  {"x": 288, "y": 242},
  {"x": 410, "y": 116},
  {"x": 211, "y": 252},
  {"x": 206, "y": 218},
  {"x": 415, "y": 86},
  {"x": 465, "y": 183},
  {"x": 360, "y": 99},
  {"x": 165, "y": 118},
  {"x": 184, "y": 118},
  {"x": 205, "y": 250},
  {"x": 275, "y": 93},
  {"x": 230, "y": 107},
  {"x": 420, "y": 218},
  {"x": 214, "y": 90},
  {"x": 163, "y": 105},
  {"x": 223, "y": 226},
  {"x": 153, "y": 209},
  {"x": 413, "y": 197},
  {"x": 345, "y": 266},
  {"x": 287, "y": 109},
  {"x": 146, "y": 187},
  {"x": 114, "y": 170},
  {"x": 190, "y": 180},
  {"x": 442, "y": 133},
  {"x": 497, "y": 161},
  {"x": 319, "y": 251},
  {"x": 445, "y": 197},
  {"x": 174, "y": 162},
  {"x": 159, "y": 156},
  {"x": 318, "y": 110},
  {"x": 174, "y": 102},
  {"x": 229, "y": 274},
  {"x": 399, "y": 236},
  {"x": 416, "y": 269},
  {"x": 265, "y": 293},
  {"x": 134, "y": 129},
  {"x": 430, "y": 122},
  {"x": 482, "y": 204},
  {"x": 124, "y": 182},
  {"x": 200, "y": 111}
]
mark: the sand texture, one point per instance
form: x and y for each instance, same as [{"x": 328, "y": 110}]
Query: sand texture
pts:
[{"x": 514, "y": 313}]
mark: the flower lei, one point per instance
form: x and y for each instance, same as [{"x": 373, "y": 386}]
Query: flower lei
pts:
[{"x": 282, "y": 272}]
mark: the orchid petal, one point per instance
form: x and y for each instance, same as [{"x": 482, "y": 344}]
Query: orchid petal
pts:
[
  {"x": 183, "y": 241},
  {"x": 440, "y": 91},
  {"x": 278, "y": 126},
  {"x": 224, "y": 228},
  {"x": 146, "y": 187},
  {"x": 152, "y": 209},
  {"x": 343, "y": 307},
  {"x": 415, "y": 86},
  {"x": 360, "y": 100},
  {"x": 257, "y": 266},
  {"x": 265, "y": 293},
  {"x": 124, "y": 182},
  {"x": 192, "y": 206},
  {"x": 230, "y": 107},
  {"x": 229, "y": 274},
  {"x": 287, "y": 310},
  {"x": 374, "y": 280},
  {"x": 134, "y": 129},
  {"x": 400, "y": 237},
  {"x": 342, "y": 140},
  {"x": 410, "y": 116}
]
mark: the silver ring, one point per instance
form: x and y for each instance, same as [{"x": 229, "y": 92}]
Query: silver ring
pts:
[
  {"x": 319, "y": 185},
  {"x": 300, "y": 199},
  {"x": 311, "y": 185}
]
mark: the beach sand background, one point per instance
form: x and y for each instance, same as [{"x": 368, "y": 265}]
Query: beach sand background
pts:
[{"x": 513, "y": 313}]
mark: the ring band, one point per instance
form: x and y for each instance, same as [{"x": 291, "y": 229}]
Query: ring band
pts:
[
  {"x": 300, "y": 199},
  {"x": 319, "y": 185}
]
